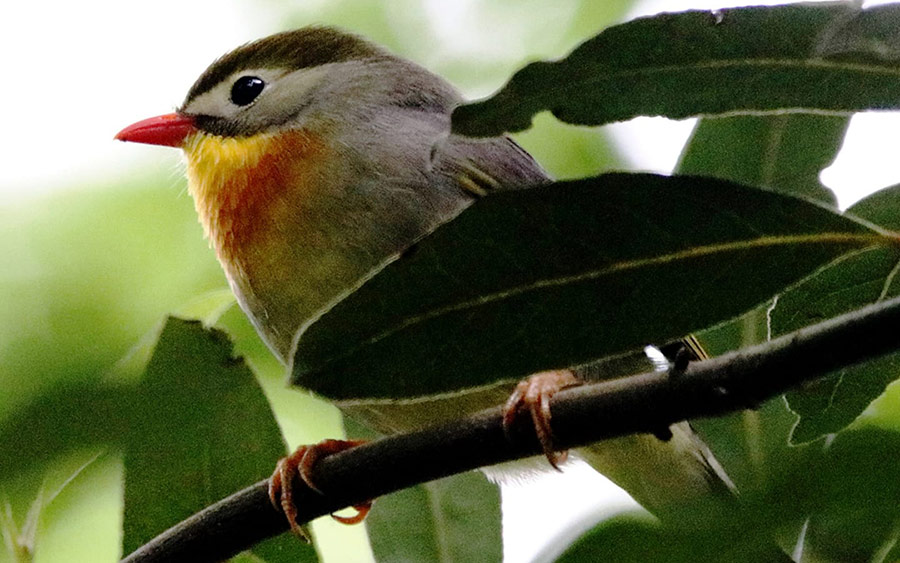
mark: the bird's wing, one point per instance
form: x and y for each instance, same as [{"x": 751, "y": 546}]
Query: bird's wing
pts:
[{"x": 482, "y": 166}]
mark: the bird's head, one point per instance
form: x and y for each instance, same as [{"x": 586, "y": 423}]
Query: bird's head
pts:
[
  {"x": 309, "y": 159},
  {"x": 262, "y": 118},
  {"x": 270, "y": 85}
]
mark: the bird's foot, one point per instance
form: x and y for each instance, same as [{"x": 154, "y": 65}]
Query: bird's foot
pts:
[
  {"x": 533, "y": 394},
  {"x": 301, "y": 464}
]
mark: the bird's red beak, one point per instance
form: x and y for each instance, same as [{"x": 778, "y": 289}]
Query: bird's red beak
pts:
[{"x": 168, "y": 130}]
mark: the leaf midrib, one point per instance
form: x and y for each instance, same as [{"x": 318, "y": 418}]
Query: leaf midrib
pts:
[
  {"x": 618, "y": 75},
  {"x": 864, "y": 239}
]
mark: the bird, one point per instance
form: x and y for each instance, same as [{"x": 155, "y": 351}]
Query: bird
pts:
[{"x": 316, "y": 157}]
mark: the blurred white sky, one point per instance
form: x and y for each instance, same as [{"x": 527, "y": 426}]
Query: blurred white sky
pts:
[
  {"x": 68, "y": 87},
  {"x": 71, "y": 84}
]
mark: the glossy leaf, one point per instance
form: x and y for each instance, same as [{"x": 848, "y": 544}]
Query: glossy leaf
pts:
[
  {"x": 833, "y": 57},
  {"x": 456, "y": 519},
  {"x": 785, "y": 153},
  {"x": 830, "y": 404},
  {"x": 204, "y": 431},
  {"x": 565, "y": 274}
]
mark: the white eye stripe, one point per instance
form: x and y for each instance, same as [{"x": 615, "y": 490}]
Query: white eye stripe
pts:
[
  {"x": 217, "y": 100},
  {"x": 279, "y": 84}
]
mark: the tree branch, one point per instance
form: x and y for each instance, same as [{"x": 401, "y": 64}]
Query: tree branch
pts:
[{"x": 581, "y": 415}]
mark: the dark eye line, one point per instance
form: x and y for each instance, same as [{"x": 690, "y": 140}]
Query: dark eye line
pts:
[{"x": 246, "y": 89}]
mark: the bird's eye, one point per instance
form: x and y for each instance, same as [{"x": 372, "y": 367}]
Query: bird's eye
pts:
[{"x": 246, "y": 89}]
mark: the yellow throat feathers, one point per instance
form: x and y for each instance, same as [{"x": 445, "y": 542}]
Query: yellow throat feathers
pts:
[{"x": 233, "y": 180}]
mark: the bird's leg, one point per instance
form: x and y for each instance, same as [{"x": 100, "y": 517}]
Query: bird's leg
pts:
[
  {"x": 533, "y": 394},
  {"x": 301, "y": 464}
]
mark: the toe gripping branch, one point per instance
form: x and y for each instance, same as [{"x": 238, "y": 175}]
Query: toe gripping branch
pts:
[
  {"x": 301, "y": 464},
  {"x": 534, "y": 394}
]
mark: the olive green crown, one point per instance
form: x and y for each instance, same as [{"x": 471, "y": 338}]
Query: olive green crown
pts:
[{"x": 292, "y": 50}]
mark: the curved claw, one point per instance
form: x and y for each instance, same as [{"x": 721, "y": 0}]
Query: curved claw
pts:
[
  {"x": 301, "y": 464},
  {"x": 362, "y": 510},
  {"x": 534, "y": 394}
]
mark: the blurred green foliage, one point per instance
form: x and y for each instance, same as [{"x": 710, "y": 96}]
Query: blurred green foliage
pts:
[
  {"x": 87, "y": 271},
  {"x": 83, "y": 279}
]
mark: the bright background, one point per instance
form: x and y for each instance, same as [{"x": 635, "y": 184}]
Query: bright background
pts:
[
  {"x": 77, "y": 72},
  {"x": 80, "y": 78}
]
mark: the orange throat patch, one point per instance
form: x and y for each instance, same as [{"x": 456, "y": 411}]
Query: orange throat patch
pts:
[{"x": 235, "y": 180}]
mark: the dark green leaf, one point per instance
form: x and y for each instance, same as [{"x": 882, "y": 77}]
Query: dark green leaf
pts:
[
  {"x": 829, "y": 404},
  {"x": 303, "y": 418},
  {"x": 860, "y": 279},
  {"x": 564, "y": 274},
  {"x": 833, "y": 57},
  {"x": 627, "y": 539},
  {"x": 454, "y": 519},
  {"x": 785, "y": 153},
  {"x": 205, "y": 431},
  {"x": 881, "y": 208}
]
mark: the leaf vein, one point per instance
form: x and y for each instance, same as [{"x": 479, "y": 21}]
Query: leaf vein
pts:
[{"x": 695, "y": 252}]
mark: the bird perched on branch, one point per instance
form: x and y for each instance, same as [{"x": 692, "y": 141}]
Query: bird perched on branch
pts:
[{"x": 315, "y": 158}]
